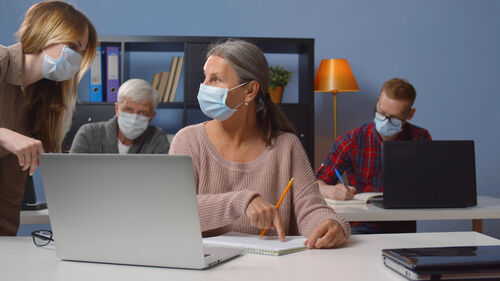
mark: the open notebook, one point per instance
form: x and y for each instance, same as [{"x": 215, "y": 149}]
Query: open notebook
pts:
[
  {"x": 359, "y": 198},
  {"x": 268, "y": 245}
]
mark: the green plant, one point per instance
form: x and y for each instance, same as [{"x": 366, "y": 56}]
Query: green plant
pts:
[{"x": 279, "y": 76}]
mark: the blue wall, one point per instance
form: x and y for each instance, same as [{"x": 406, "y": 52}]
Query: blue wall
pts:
[{"x": 448, "y": 49}]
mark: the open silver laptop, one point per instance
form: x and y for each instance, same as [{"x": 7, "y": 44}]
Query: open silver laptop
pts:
[{"x": 126, "y": 209}]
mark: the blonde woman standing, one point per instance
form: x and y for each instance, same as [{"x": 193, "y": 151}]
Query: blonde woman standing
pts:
[{"x": 38, "y": 90}]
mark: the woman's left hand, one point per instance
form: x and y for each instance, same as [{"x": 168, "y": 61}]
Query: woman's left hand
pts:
[{"x": 329, "y": 233}]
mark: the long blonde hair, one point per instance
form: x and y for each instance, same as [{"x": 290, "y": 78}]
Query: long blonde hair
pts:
[{"x": 51, "y": 104}]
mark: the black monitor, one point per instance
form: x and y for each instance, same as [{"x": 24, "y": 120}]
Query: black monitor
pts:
[{"x": 430, "y": 174}]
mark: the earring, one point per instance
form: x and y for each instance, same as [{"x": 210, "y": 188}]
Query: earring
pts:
[{"x": 246, "y": 103}]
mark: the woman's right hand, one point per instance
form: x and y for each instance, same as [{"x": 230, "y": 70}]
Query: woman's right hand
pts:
[
  {"x": 337, "y": 192},
  {"x": 25, "y": 148},
  {"x": 264, "y": 215}
]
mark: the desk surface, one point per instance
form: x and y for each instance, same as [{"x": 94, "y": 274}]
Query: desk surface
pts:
[
  {"x": 35, "y": 217},
  {"x": 487, "y": 208},
  {"x": 21, "y": 260}
]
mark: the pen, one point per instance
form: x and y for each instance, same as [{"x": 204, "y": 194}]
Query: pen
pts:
[
  {"x": 279, "y": 202},
  {"x": 340, "y": 178}
]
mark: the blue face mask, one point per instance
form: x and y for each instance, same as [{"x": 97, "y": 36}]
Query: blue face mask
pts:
[
  {"x": 213, "y": 102},
  {"x": 385, "y": 128},
  {"x": 64, "y": 67}
]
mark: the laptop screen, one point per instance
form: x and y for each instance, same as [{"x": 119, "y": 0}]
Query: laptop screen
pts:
[{"x": 430, "y": 174}]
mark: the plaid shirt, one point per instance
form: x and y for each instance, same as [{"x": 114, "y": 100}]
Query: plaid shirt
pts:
[{"x": 359, "y": 154}]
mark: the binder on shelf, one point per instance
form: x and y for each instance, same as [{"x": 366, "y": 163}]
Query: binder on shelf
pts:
[
  {"x": 173, "y": 65},
  {"x": 112, "y": 73},
  {"x": 176, "y": 79},
  {"x": 162, "y": 84},
  {"x": 95, "y": 89}
]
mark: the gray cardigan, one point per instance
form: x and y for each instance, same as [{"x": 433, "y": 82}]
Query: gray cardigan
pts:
[{"x": 102, "y": 137}]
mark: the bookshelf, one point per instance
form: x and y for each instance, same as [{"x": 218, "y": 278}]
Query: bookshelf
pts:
[{"x": 193, "y": 49}]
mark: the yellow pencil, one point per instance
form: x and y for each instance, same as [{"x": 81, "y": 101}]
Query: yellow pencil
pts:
[{"x": 279, "y": 202}]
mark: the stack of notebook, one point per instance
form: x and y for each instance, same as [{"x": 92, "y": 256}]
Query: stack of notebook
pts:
[{"x": 445, "y": 263}]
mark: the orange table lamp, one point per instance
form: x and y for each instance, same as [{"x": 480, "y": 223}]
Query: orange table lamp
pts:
[{"x": 335, "y": 76}]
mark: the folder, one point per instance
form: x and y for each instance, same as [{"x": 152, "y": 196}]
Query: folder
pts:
[
  {"x": 95, "y": 93},
  {"x": 112, "y": 73}
]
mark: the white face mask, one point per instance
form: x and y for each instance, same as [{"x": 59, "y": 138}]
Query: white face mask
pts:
[
  {"x": 132, "y": 125},
  {"x": 386, "y": 128},
  {"x": 64, "y": 67},
  {"x": 212, "y": 101}
]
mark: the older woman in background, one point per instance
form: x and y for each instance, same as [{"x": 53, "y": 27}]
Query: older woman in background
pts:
[{"x": 244, "y": 158}]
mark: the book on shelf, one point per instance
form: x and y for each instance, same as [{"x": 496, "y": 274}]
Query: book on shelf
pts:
[
  {"x": 359, "y": 198},
  {"x": 176, "y": 79},
  {"x": 162, "y": 84},
  {"x": 252, "y": 244},
  {"x": 173, "y": 65},
  {"x": 156, "y": 80}
]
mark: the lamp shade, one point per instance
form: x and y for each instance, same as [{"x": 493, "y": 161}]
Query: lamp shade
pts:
[{"x": 335, "y": 75}]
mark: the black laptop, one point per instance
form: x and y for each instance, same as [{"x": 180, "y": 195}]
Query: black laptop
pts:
[
  {"x": 433, "y": 174},
  {"x": 445, "y": 263}
]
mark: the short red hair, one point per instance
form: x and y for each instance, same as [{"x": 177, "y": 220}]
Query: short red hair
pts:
[{"x": 399, "y": 89}]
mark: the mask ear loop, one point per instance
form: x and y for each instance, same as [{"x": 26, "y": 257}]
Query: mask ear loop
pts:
[
  {"x": 244, "y": 102},
  {"x": 236, "y": 108}
]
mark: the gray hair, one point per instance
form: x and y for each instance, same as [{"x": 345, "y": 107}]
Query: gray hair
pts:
[
  {"x": 249, "y": 63},
  {"x": 246, "y": 59},
  {"x": 139, "y": 91}
]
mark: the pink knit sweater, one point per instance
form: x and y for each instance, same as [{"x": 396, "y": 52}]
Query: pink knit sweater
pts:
[{"x": 225, "y": 188}]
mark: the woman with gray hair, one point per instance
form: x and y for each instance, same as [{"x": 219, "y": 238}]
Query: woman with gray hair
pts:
[
  {"x": 244, "y": 157},
  {"x": 130, "y": 131}
]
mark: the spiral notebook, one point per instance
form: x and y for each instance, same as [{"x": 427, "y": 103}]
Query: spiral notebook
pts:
[{"x": 268, "y": 245}]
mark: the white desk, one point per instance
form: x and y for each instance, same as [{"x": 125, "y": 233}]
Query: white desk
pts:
[
  {"x": 487, "y": 208},
  {"x": 359, "y": 259},
  {"x": 35, "y": 217}
]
